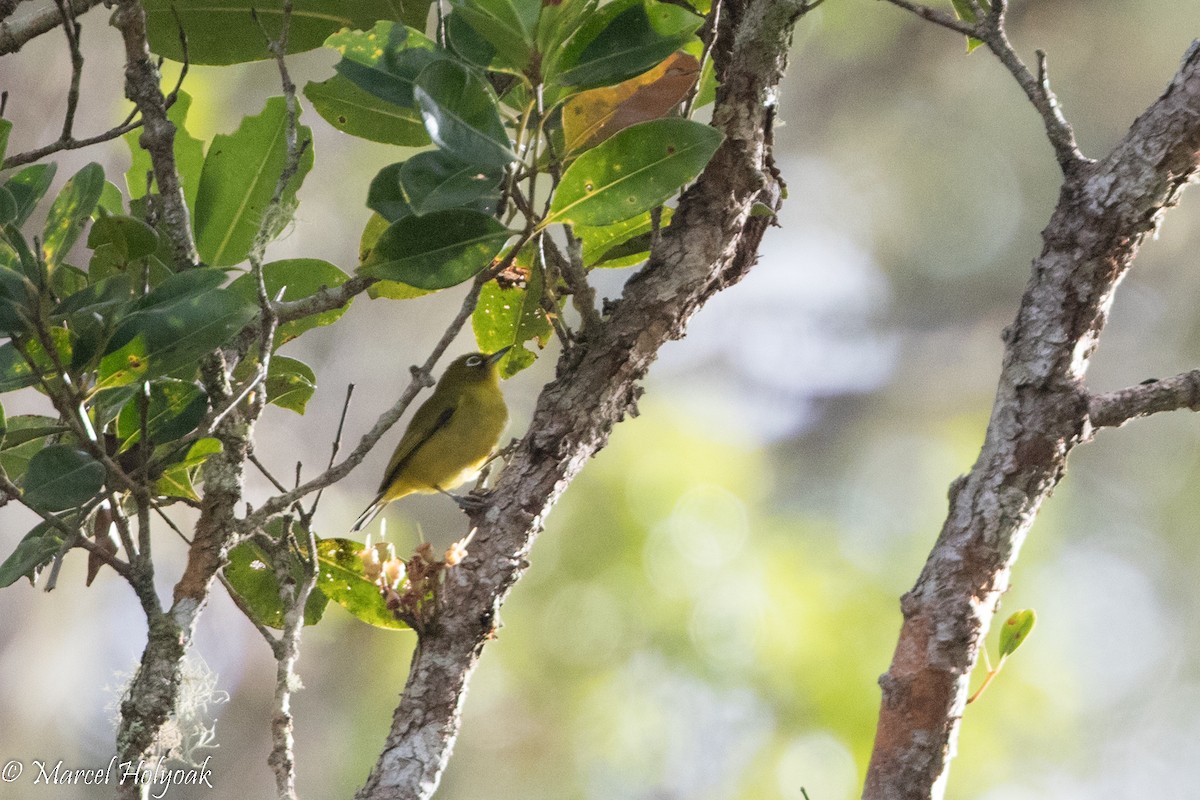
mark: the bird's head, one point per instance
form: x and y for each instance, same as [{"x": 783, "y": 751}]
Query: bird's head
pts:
[{"x": 474, "y": 367}]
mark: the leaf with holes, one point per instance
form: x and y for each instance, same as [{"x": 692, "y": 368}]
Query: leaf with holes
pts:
[{"x": 344, "y": 580}]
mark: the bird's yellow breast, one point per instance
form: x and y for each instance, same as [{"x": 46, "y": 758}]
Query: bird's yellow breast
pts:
[{"x": 455, "y": 452}]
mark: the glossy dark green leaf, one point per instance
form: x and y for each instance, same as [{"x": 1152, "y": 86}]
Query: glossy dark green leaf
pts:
[
  {"x": 28, "y": 186},
  {"x": 391, "y": 290},
  {"x": 189, "y": 155},
  {"x": 360, "y": 113},
  {"x": 60, "y": 477},
  {"x": 70, "y": 211},
  {"x": 433, "y": 181},
  {"x": 632, "y": 172},
  {"x": 178, "y": 477},
  {"x": 238, "y": 181},
  {"x": 623, "y": 39},
  {"x": 37, "y": 549},
  {"x": 171, "y": 334},
  {"x": 437, "y": 250},
  {"x": 507, "y": 25},
  {"x": 24, "y": 436},
  {"x": 224, "y": 32},
  {"x": 251, "y": 575},
  {"x": 173, "y": 410},
  {"x": 509, "y": 317},
  {"x": 344, "y": 580},
  {"x": 290, "y": 383},
  {"x": 461, "y": 116},
  {"x": 297, "y": 278}
]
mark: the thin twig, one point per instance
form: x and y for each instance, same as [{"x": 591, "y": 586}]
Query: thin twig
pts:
[{"x": 337, "y": 446}]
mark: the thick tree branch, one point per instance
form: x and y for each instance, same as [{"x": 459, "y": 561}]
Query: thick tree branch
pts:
[
  {"x": 14, "y": 34},
  {"x": 1113, "y": 409},
  {"x": 711, "y": 244},
  {"x": 1040, "y": 413}
]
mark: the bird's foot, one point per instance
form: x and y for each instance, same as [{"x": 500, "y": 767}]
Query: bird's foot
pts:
[{"x": 471, "y": 502}]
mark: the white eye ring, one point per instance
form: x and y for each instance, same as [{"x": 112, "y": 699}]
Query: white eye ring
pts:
[{"x": 474, "y": 361}]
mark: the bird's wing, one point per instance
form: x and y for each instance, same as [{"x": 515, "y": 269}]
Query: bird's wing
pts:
[{"x": 425, "y": 423}]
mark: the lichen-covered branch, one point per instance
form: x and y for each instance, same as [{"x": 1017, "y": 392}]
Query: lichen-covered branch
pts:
[
  {"x": 1041, "y": 412},
  {"x": 712, "y": 242}
]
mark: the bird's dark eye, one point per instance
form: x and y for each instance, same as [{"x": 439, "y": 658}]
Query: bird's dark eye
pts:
[{"x": 474, "y": 361}]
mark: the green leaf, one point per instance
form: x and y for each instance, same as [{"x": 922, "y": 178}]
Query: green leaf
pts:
[
  {"x": 24, "y": 436},
  {"x": 461, "y": 115},
  {"x": 433, "y": 181},
  {"x": 224, "y": 32},
  {"x": 28, "y": 187},
  {"x": 290, "y": 383},
  {"x": 171, "y": 334},
  {"x": 37, "y": 549},
  {"x": 343, "y": 580},
  {"x": 17, "y": 300},
  {"x": 178, "y": 478},
  {"x": 964, "y": 11},
  {"x": 632, "y": 172},
  {"x": 3, "y": 425},
  {"x": 173, "y": 410},
  {"x": 437, "y": 250},
  {"x": 1016, "y": 630},
  {"x": 131, "y": 238},
  {"x": 385, "y": 61},
  {"x": 8, "y": 207},
  {"x": 71, "y": 209},
  {"x": 511, "y": 316},
  {"x": 5, "y": 129},
  {"x": 391, "y": 290},
  {"x": 17, "y": 373},
  {"x": 111, "y": 202},
  {"x": 60, "y": 477},
  {"x": 558, "y": 22},
  {"x": 621, "y": 244},
  {"x": 359, "y": 113},
  {"x": 238, "y": 181},
  {"x": 508, "y": 25},
  {"x": 189, "y": 155},
  {"x": 251, "y": 575},
  {"x": 298, "y": 278},
  {"x": 623, "y": 39}
]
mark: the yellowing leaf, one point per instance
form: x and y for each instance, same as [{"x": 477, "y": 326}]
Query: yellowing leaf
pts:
[{"x": 592, "y": 116}]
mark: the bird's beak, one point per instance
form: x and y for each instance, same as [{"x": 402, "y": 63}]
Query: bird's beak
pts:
[{"x": 499, "y": 354}]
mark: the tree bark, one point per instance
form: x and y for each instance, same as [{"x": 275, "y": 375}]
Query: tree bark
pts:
[
  {"x": 1041, "y": 412},
  {"x": 711, "y": 244}
]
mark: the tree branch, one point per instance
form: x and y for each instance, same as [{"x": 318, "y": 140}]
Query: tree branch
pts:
[
  {"x": 142, "y": 81},
  {"x": 1114, "y": 409},
  {"x": 711, "y": 244},
  {"x": 15, "y": 34},
  {"x": 1040, "y": 414}
]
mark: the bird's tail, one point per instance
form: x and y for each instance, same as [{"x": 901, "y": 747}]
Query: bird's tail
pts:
[{"x": 364, "y": 519}]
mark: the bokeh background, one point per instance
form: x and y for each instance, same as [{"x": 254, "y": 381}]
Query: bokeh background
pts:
[{"x": 714, "y": 598}]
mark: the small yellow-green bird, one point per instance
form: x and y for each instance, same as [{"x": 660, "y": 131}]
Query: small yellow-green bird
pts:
[{"x": 450, "y": 437}]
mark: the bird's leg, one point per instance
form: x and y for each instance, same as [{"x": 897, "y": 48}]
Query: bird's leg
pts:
[{"x": 470, "y": 503}]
